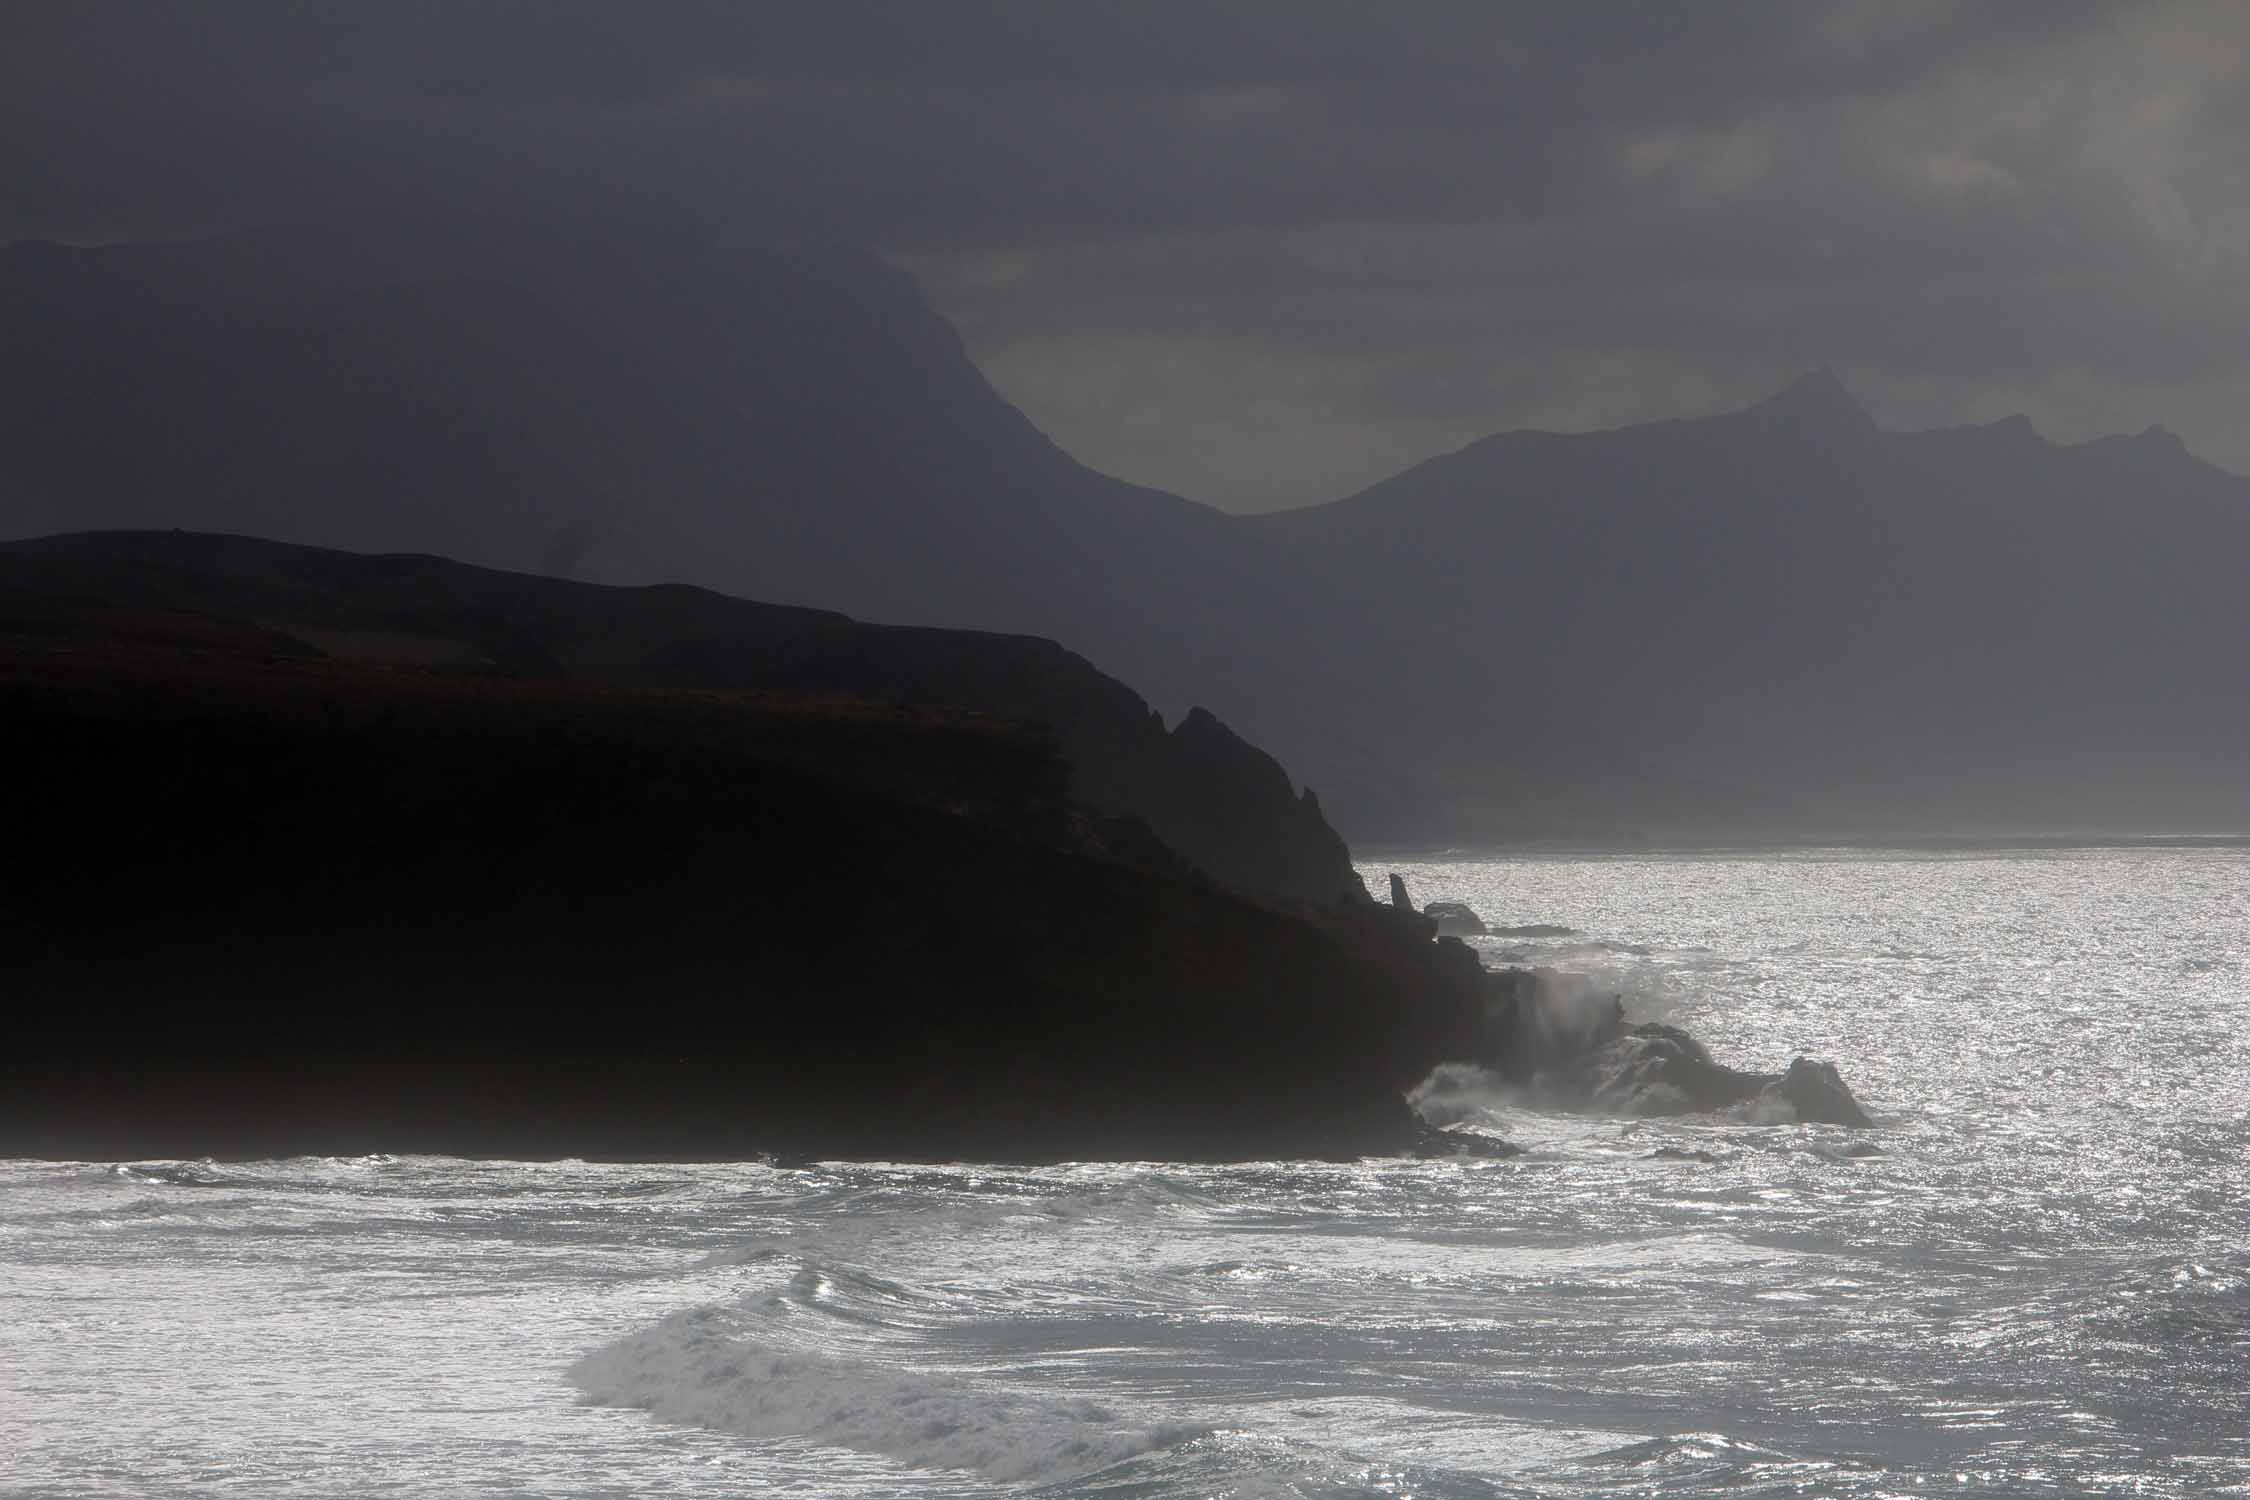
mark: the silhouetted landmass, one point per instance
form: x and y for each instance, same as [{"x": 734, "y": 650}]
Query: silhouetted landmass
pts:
[
  {"x": 1223, "y": 804},
  {"x": 1786, "y": 617},
  {"x": 495, "y": 885},
  {"x": 1782, "y": 621},
  {"x": 792, "y": 425}
]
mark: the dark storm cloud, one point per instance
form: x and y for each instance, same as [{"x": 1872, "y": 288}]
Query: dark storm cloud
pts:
[
  {"x": 1266, "y": 250},
  {"x": 909, "y": 120}
]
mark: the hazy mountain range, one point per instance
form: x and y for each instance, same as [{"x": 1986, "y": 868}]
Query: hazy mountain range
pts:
[{"x": 1782, "y": 619}]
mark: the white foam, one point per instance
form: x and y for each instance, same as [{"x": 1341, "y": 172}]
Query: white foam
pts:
[
  {"x": 1457, "y": 1093},
  {"x": 696, "y": 1367}
]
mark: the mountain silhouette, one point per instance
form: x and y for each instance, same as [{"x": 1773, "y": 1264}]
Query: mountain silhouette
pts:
[
  {"x": 1815, "y": 404},
  {"x": 1785, "y": 615},
  {"x": 1781, "y": 618},
  {"x": 787, "y": 424},
  {"x": 1206, "y": 794}
]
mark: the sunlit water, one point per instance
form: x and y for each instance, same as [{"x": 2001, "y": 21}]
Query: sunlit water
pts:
[{"x": 2040, "y": 1286}]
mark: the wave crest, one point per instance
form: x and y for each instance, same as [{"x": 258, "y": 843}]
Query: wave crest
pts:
[{"x": 695, "y": 1367}]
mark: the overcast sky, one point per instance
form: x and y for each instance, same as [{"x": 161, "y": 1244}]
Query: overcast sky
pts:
[{"x": 1270, "y": 251}]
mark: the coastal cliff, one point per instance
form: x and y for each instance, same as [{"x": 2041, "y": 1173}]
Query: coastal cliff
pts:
[
  {"x": 320, "y": 852},
  {"x": 1215, "y": 799},
  {"x": 330, "y": 873}
]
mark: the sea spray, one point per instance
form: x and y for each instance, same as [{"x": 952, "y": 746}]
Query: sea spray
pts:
[
  {"x": 1558, "y": 1040},
  {"x": 1555, "y": 1018}
]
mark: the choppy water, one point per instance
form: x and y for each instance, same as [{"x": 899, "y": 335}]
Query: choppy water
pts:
[{"x": 2041, "y": 1286}]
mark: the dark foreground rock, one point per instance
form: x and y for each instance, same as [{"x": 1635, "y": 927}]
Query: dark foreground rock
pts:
[
  {"x": 1436, "y": 1143},
  {"x": 259, "y": 900},
  {"x": 1455, "y": 919},
  {"x": 314, "y": 852},
  {"x": 1815, "y": 1092}
]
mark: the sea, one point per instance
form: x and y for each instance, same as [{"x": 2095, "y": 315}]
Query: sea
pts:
[{"x": 2032, "y": 1278}]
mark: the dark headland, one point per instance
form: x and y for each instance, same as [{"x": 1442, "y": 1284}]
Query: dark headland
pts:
[{"x": 319, "y": 852}]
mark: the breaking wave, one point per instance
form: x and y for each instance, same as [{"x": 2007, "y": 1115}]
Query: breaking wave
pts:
[
  {"x": 1566, "y": 1010},
  {"x": 700, "y": 1367},
  {"x": 721, "y": 1370}
]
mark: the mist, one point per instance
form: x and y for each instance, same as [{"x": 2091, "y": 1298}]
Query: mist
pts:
[
  {"x": 808, "y": 305},
  {"x": 703, "y": 710}
]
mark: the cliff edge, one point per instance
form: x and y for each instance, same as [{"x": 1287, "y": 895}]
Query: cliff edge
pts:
[{"x": 380, "y": 860}]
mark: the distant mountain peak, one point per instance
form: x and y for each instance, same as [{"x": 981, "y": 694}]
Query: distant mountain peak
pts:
[
  {"x": 1815, "y": 402},
  {"x": 2016, "y": 428},
  {"x": 2155, "y": 443}
]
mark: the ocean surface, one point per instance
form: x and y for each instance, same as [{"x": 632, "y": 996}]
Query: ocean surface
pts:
[{"x": 2039, "y": 1286}]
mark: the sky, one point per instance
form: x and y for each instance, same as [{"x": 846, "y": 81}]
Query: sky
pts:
[{"x": 1266, "y": 252}]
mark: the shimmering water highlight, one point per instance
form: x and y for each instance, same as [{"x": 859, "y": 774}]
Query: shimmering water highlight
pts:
[{"x": 2040, "y": 1285}]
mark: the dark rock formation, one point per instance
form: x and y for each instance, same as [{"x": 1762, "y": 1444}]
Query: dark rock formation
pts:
[
  {"x": 1815, "y": 1091},
  {"x": 1455, "y": 919},
  {"x": 259, "y": 900},
  {"x": 1436, "y": 1143},
  {"x": 1563, "y": 1045},
  {"x": 1229, "y": 807},
  {"x": 1653, "y": 1069}
]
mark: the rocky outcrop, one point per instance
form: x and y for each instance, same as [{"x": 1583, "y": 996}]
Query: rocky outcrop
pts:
[
  {"x": 1815, "y": 1092},
  {"x": 1655, "y": 1069},
  {"x": 1455, "y": 919},
  {"x": 1440, "y": 1143},
  {"x": 1553, "y": 1041},
  {"x": 261, "y": 901},
  {"x": 1231, "y": 810}
]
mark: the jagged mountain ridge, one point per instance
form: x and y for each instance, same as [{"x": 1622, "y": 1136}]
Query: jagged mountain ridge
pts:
[
  {"x": 1777, "y": 619},
  {"x": 793, "y": 425},
  {"x": 1792, "y": 610}
]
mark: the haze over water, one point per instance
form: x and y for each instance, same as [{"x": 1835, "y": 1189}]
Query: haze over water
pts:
[{"x": 2041, "y": 1284}]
